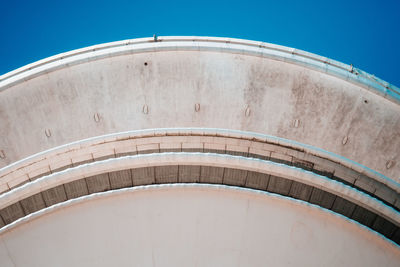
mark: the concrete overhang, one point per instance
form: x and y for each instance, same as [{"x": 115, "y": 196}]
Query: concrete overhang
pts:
[
  {"x": 105, "y": 120},
  {"x": 178, "y": 225}
]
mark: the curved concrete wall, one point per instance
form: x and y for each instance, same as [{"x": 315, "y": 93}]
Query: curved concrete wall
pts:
[
  {"x": 206, "y": 110},
  {"x": 235, "y": 86},
  {"x": 199, "y": 159},
  {"x": 213, "y": 226},
  {"x": 194, "y": 156}
]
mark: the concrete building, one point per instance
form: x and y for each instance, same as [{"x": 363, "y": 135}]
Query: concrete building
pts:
[{"x": 197, "y": 151}]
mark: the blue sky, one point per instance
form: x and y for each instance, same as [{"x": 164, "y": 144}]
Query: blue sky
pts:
[{"x": 363, "y": 33}]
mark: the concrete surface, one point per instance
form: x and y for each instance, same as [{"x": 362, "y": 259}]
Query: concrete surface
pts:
[
  {"x": 192, "y": 226},
  {"x": 237, "y": 85},
  {"x": 166, "y": 170},
  {"x": 225, "y": 169},
  {"x": 201, "y": 140},
  {"x": 80, "y": 131}
]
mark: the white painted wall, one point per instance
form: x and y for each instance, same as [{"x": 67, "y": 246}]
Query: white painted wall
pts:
[{"x": 193, "y": 225}]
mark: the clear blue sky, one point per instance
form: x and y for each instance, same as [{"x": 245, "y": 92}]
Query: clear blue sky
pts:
[{"x": 363, "y": 33}]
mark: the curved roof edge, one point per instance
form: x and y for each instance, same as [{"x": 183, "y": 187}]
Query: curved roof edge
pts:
[
  {"x": 199, "y": 159},
  {"x": 193, "y": 43},
  {"x": 203, "y": 131},
  {"x": 216, "y": 187}
]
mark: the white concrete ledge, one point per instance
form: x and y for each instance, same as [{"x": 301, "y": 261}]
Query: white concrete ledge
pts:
[
  {"x": 46, "y": 158},
  {"x": 133, "y": 233},
  {"x": 192, "y": 43},
  {"x": 202, "y": 159}
]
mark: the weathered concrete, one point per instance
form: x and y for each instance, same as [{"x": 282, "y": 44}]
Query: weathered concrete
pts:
[
  {"x": 94, "y": 177},
  {"x": 276, "y": 119},
  {"x": 278, "y": 150},
  {"x": 120, "y": 179},
  {"x": 186, "y": 225},
  {"x": 246, "y": 89}
]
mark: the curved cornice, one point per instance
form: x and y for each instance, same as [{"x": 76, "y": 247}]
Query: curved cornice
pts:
[
  {"x": 105, "y": 142},
  {"x": 200, "y": 159},
  {"x": 164, "y": 187},
  {"x": 189, "y": 43}
]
